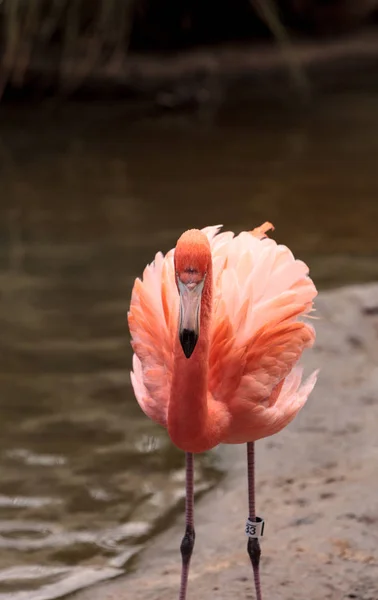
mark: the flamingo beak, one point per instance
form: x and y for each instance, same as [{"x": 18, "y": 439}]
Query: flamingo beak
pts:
[{"x": 189, "y": 319}]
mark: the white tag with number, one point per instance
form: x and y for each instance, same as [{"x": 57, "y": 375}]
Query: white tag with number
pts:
[{"x": 254, "y": 529}]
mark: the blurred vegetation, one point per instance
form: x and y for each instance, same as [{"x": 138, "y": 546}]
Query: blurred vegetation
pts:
[{"x": 69, "y": 39}]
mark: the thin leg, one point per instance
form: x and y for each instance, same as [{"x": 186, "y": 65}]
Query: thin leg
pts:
[
  {"x": 254, "y": 550},
  {"x": 187, "y": 543}
]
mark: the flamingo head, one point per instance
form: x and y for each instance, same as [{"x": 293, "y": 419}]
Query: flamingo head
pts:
[{"x": 192, "y": 262}]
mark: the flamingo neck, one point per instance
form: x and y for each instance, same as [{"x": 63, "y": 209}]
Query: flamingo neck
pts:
[{"x": 188, "y": 410}]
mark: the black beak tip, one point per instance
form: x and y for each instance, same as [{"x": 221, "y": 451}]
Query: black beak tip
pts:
[{"x": 188, "y": 340}]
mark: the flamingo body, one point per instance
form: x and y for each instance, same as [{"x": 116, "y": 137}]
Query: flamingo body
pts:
[{"x": 242, "y": 381}]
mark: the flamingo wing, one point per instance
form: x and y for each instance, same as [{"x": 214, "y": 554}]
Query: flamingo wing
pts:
[
  {"x": 154, "y": 303},
  {"x": 257, "y": 339}
]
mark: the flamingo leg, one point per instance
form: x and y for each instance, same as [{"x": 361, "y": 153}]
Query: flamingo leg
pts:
[
  {"x": 187, "y": 543},
  {"x": 253, "y": 547}
]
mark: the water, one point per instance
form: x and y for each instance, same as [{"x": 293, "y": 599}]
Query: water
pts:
[{"x": 87, "y": 197}]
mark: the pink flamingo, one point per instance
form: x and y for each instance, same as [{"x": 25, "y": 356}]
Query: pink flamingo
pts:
[{"x": 216, "y": 337}]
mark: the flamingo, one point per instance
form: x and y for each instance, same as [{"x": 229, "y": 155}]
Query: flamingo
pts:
[{"x": 217, "y": 332}]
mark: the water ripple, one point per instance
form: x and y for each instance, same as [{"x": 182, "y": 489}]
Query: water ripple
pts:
[
  {"x": 29, "y": 458},
  {"x": 62, "y": 581},
  {"x": 30, "y": 536},
  {"x": 26, "y": 502}
]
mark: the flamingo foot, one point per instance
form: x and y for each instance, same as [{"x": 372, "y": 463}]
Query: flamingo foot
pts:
[{"x": 254, "y": 552}]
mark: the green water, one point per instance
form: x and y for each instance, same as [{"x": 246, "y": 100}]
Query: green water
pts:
[{"x": 87, "y": 197}]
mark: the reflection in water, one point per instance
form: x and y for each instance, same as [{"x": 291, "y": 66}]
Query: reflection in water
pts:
[{"x": 86, "y": 200}]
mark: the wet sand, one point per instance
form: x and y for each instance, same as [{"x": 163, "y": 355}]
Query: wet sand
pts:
[{"x": 316, "y": 488}]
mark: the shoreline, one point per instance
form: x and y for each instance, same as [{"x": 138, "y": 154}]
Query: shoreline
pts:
[
  {"x": 315, "y": 487},
  {"x": 201, "y": 75}
]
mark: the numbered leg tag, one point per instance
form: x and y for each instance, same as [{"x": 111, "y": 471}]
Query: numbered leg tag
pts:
[{"x": 254, "y": 529}]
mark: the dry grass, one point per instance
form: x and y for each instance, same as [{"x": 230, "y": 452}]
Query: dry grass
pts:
[
  {"x": 76, "y": 36},
  {"x": 269, "y": 13}
]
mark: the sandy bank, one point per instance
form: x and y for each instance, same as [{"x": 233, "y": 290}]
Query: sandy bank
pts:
[{"x": 317, "y": 488}]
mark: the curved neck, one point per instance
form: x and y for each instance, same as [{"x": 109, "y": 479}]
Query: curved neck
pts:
[{"x": 187, "y": 410}]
